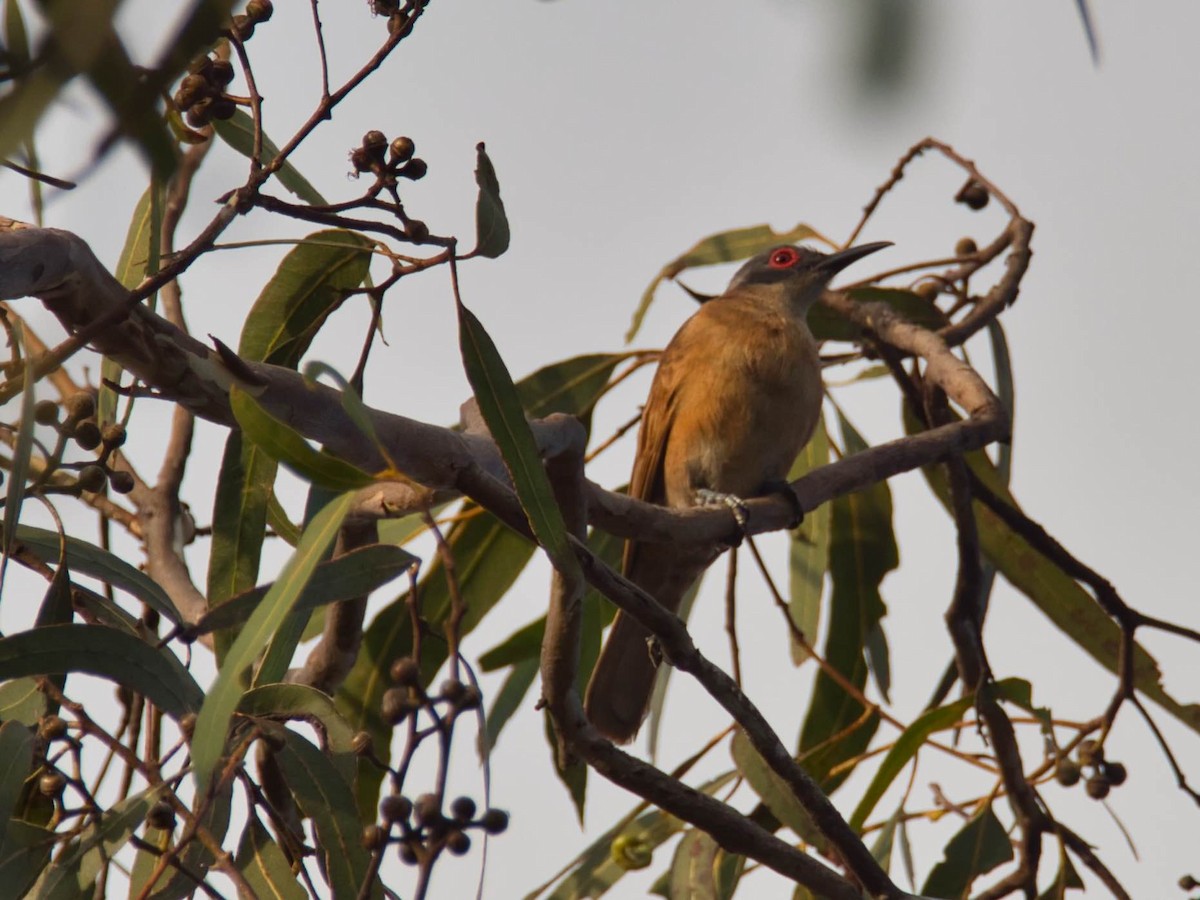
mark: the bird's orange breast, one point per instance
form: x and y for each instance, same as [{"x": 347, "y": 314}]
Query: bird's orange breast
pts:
[{"x": 748, "y": 397}]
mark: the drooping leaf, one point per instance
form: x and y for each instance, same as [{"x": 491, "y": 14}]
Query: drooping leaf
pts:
[
  {"x": 507, "y": 700},
  {"x": 572, "y": 772},
  {"x": 693, "y": 871},
  {"x": 862, "y": 551},
  {"x": 243, "y": 495},
  {"x": 238, "y": 133},
  {"x": 358, "y": 572},
  {"x": 22, "y": 454},
  {"x": 1066, "y": 878},
  {"x": 1059, "y": 597},
  {"x": 212, "y": 724},
  {"x": 658, "y": 696},
  {"x": 324, "y": 796},
  {"x": 300, "y": 702},
  {"x": 108, "y": 653},
  {"x": 24, "y": 854},
  {"x": 911, "y": 740},
  {"x": 774, "y": 791},
  {"x": 139, "y": 259},
  {"x": 73, "y": 871},
  {"x": 723, "y": 247},
  {"x": 808, "y": 552},
  {"x": 501, "y": 408},
  {"x": 108, "y": 568},
  {"x": 976, "y": 849},
  {"x": 491, "y": 223},
  {"x": 311, "y": 282},
  {"x": 263, "y": 865},
  {"x": 16, "y": 761}
]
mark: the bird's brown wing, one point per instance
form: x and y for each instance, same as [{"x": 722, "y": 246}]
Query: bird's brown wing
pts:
[{"x": 646, "y": 482}]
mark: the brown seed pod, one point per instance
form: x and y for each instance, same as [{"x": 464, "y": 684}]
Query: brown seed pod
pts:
[
  {"x": 965, "y": 247},
  {"x": 242, "y": 28},
  {"x": 192, "y": 90},
  {"x": 458, "y": 843},
  {"x": 87, "y": 434},
  {"x": 1066, "y": 770},
  {"x": 396, "y": 704},
  {"x": 51, "y": 784},
  {"x": 401, "y": 150},
  {"x": 223, "y": 108},
  {"x": 1115, "y": 772},
  {"x": 414, "y": 169},
  {"x": 200, "y": 114},
  {"x": 462, "y": 809},
  {"x": 427, "y": 810},
  {"x": 113, "y": 434},
  {"x": 1097, "y": 787},
  {"x": 92, "y": 479},
  {"x": 52, "y": 728},
  {"x": 395, "y": 808},
  {"x": 494, "y": 821},
  {"x": 260, "y": 10},
  {"x": 1090, "y": 753},
  {"x": 120, "y": 481},
  {"x": 80, "y": 405},
  {"x": 373, "y": 837},
  {"x": 405, "y": 671},
  {"x": 417, "y": 231},
  {"x": 161, "y": 815},
  {"x": 973, "y": 194},
  {"x": 45, "y": 412},
  {"x": 222, "y": 72}
]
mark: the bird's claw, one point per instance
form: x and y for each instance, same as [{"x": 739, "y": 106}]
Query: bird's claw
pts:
[{"x": 736, "y": 505}]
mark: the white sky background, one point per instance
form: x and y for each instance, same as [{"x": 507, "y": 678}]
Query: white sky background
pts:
[{"x": 624, "y": 131}]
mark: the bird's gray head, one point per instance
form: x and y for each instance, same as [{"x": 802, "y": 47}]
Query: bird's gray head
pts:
[{"x": 798, "y": 274}]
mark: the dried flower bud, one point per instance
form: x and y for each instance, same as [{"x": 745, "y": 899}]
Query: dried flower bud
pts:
[{"x": 401, "y": 150}]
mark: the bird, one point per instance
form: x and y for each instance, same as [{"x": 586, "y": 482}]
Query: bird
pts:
[{"x": 736, "y": 396}]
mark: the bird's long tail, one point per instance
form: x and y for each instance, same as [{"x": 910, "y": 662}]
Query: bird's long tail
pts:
[{"x": 618, "y": 695}]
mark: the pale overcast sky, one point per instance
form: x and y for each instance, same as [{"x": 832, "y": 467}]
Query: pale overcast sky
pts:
[{"x": 623, "y": 131}]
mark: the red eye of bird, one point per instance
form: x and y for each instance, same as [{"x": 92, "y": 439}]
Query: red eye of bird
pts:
[{"x": 784, "y": 258}]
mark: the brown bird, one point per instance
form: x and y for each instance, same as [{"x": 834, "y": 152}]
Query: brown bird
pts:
[{"x": 736, "y": 397}]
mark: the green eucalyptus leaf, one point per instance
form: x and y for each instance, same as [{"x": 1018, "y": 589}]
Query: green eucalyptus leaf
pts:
[
  {"x": 976, "y": 849},
  {"x": 238, "y": 133},
  {"x": 87, "y": 559},
  {"x": 311, "y": 282},
  {"x": 500, "y": 405},
  {"x": 212, "y": 724},
  {"x": 263, "y": 865},
  {"x": 74, "y": 869},
  {"x": 324, "y": 796},
  {"x": 356, "y": 573},
  {"x": 1059, "y": 597},
  {"x": 108, "y": 653},
  {"x": 288, "y": 446},
  {"x": 16, "y": 763},
  {"x": 862, "y": 551},
  {"x": 808, "y": 552}
]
